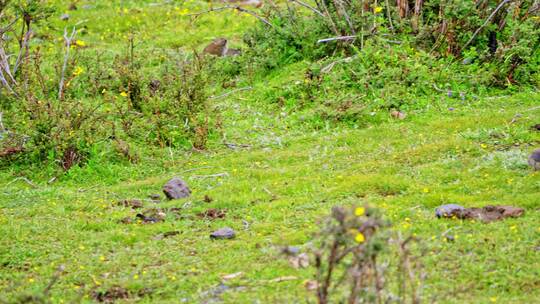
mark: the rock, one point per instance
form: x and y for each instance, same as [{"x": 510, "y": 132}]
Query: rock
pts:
[
  {"x": 223, "y": 233},
  {"x": 534, "y": 159},
  {"x": 213, "y": 214},
  {"x": 155, "y": 197},
  {"x": 448, "y": 210},
  {"x": 176, "y": 188},
  {"x": 290, "y": 250},
  {"x": 64, "y": 17},
  {"x": 134, "y": 204},
  {"x": 398, "y": 115},
  {"x": 164, "y": 235},
  {"x": 485, "y": 214},
  {"x": 536, "y": 127},
  {"x": 299, "y": 261}
]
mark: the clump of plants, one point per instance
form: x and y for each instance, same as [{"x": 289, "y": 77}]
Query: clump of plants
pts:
[
  {"x": 63, "y": 108},
  {"x": 506, "y": 33},
  {"x": 358, "y": 259}
]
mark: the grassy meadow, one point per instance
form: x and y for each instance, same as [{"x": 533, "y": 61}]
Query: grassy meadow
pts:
[{"x": 287, "y": 170}]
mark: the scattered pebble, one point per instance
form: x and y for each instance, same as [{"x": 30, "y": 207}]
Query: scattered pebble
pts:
[
  {"x": 176, "y": 188},
  {"x": 223, "y": 233},
  {"x": 64, "y": 17},
  {"x": 448, "y": 210},
  {"x": 534, "y": 159},
  {"x": 485, "y": 214}
]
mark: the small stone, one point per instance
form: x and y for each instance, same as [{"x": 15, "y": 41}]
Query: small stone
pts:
[
  {"x": 135, "y": 204},
  {"x": 536, "y": 127},
  {"x": 223, "y": 233},
  {"x": 290, "y": 250},
  {"x": 534, "y": 160},
  {"x": 155, "y": 197},
  {"x": 64, "y": 17},
  {"x": 176, "y": 188},
  {"x": 448, "y": 210}
]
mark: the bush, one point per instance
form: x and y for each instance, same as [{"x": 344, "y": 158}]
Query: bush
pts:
[{"x": 507, "y": 34}]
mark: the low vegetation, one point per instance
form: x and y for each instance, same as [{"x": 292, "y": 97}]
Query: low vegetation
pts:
[{"x": 337, "y": 131}]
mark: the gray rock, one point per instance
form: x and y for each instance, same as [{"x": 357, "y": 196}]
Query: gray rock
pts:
[
  {"x": 290, "y": 250},
  {"x": 64, "y": 17},
  {"x": 534, "y": 159},
  {"x": 176, "y": 188},
  {"x": 223, "y": 233},
  {"x": 448, "y": 210}
]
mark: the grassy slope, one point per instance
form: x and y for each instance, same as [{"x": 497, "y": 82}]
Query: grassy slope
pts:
[{"x": 406, "y": 167}]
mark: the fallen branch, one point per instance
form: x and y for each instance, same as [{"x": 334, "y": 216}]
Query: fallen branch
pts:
[
  {"x": 316, "y": 11},
  {"x": 336, "y": 38},
  {"x": 236, "y": 146},
  {"x": 231, "y": 92},
  {"x": 485, "y": 23},
  {"x": 330, "y": 66},
  {"x": 234, "y": 7},
  {"x": 211, "y": 175},
  {"x": 24, "y": 179}
]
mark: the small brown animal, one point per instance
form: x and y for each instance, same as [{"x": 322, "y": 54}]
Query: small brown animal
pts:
[
  {"x": 218, "y": 47},
  {"x": 398, "y": 114}
]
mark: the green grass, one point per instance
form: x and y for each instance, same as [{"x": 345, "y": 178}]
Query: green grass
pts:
[{"x": 296, "y": 169}]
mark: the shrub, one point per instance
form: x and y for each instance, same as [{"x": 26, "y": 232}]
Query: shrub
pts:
[{"x": 352, "y": 255}]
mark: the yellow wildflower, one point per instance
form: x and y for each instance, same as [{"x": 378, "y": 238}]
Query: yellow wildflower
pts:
[
  {"x": 123, "y": 94},
  {"x": 377, "y": 9},
  {"x": 78, "y": 71},
  {"x": 80, "y": 43},
  {"x": 425, "y": 190},
  {"x": 360, "y": 238},
  {"x": 359, "y": 211},
  {"x": 483, "y": 146}
]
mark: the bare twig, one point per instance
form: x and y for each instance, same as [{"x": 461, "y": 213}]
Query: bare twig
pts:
[
  {"x": 337, "y": 38},
  {"x": 211, "y": 175},
  {"x": 231, "y": 92},
  {"x": 24, "y": 179},
  {"x": 330, "y": 66},
  {"x": 501, "y": 4},
  {"x": 2, "y": 128},
  {"x": 68, "y": 40},
  {"x": 316, "y": 11},
  {"x": 234, "y": 7}
]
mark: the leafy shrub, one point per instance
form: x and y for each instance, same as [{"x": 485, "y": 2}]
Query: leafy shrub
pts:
[
  {"x": 479, "y": 31},
  {"x": 352, "y": 253}
]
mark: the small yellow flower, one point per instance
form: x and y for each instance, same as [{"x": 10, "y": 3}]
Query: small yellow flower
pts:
[
  {"x": 493, "y": 299},
  {"x": 360, "y": 238},
  {"x": 78, "y": 71},
  {"x": 359, "y": 211},
  {"x": 483, "y": 146},
  {"x": 102, "y": 258},
  {"x": 136, "y": 276},
  {"x": 425, "y": 190},
  {"x": 80, "y": 43},
  {"x": 123, "y": 94},
  {"x": 377, "y": 9},
  {"x": 31, "y": 280}
]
